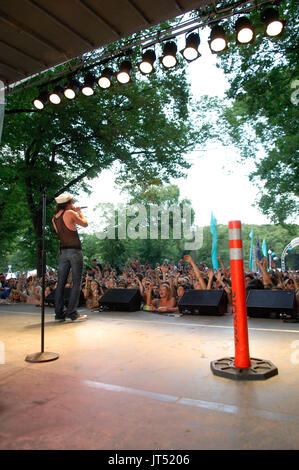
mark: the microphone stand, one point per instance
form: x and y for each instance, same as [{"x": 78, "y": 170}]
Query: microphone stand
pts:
[{"x": 43, "y": 356}]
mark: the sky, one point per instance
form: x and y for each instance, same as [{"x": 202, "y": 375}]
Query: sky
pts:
[{"x": 216, "y": 182}]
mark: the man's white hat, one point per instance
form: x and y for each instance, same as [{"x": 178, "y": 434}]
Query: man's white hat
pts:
[{"x": 64, "y": 197}]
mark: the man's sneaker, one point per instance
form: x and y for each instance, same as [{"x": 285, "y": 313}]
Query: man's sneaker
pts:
[
  {"x": 60, "y": 318},
  {"x": 76, "y": 317}
]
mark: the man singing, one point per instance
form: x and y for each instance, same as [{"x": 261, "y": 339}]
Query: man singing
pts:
[{"x": 70, "y": 256}]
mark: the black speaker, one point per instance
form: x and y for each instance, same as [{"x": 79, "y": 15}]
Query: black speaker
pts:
[
  {"x": 50, "y": 299},
  {"x": 203, "y": 302},
  {"x": 67, "y": 293},
  {"x": 264, "y": 303},
  {"x": 122, "y": 300}
]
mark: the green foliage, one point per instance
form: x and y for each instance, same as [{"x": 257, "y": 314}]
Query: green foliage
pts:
[
  {"x": 155, "y": 251},
  {"x": 277, "y": 237},
  {"x": 260, "y": 118},
  {"x": 117, "y": 251},
  {"x": 144, "y": 126}
]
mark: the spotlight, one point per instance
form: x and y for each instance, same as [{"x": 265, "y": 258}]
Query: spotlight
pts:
[
  {"x": 190, "y": 52},
  {"x": 146, "y": 66},
  {"x": 41, "y": 100},
  {"x": 105, "y": 80},
  {"x": 169, "y": 59},
  {"x": 71, "y": 90},
  {"x": 124, "y": 74},
  {"x": 274, "y": 26},
  {"x": 56, "y": 96},
  {"x": 87, "y": 88},
  {"x": 217, "y": 41},
  {"x": 244, "y": 31}
]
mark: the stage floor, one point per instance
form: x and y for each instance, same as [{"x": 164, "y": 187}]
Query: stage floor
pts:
[{"x": 140, "y": 380}]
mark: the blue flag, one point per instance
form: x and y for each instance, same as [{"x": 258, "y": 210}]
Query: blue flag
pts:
[
  {"x": 264, "y": 248},
  {"x": 213, "y": 231},
  {"x": 258, "y": 250},
  {"x": 251, "y": 250}
]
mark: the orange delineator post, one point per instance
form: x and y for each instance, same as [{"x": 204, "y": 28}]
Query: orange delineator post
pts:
[
  {"x": 240, "y": 367},
  {"x": 242, "y": 358}
]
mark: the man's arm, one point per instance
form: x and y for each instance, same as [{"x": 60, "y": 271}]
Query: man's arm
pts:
[{"x": 78, "y": 218}]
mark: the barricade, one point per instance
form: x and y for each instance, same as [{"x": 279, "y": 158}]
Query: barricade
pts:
[{"x": 240, "y": 367}]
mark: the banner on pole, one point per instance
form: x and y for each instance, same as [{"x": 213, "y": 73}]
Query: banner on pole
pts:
[
  {"x": 251, "y": 251},
  {"x": 213, "y": 230}
]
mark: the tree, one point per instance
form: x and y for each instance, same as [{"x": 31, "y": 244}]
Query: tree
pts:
[
  {"x": 261, "y": 118},
  {"x": 145, "y": 126},
  {"x": 119, "y": 243}
]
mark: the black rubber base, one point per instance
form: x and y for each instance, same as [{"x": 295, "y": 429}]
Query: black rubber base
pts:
[
  {"x": 259, "y": 370},
  {"x": 42, "y": 357}
]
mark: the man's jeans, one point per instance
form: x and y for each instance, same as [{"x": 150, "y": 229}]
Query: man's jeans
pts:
[{"x": 69, "y": 259}]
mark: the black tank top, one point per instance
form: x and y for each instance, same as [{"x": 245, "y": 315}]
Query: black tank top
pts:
[{"x": 68, "y": 238}]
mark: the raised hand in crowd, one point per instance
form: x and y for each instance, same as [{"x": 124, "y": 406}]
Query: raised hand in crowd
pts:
[
  {"x": 210, "y": 278},
  {"x": 201, "y": 282},
  {"x": 265, "y": 276}
]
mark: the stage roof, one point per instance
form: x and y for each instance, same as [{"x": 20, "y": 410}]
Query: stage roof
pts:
[{"x": 36, "y": 35}]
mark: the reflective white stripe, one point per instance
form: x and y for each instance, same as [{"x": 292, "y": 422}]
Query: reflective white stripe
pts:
[
  {"x": 234, "y": 234},
  {"x": 207, "y": 405},
  {"x": 236, "y": 253}
]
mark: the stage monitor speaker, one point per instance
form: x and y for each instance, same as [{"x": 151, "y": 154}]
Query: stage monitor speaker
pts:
[
  {"x": 67, "y": 293},
  {"x": 203, "y": 302},
  {"x": 50, "y": 299},
  {"x": 121, "y": 300},
  {"x": 264, "y": 303}
]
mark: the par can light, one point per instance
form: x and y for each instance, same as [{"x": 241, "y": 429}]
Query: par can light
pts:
[
  {"x": 105, "y": 80},
  {"x": 55, "y": 97},
  {"x": 71, "y": 90},
  {"x": 244, "y": 31},
  {"x": 169, "y": 59},
  {"x": 273, "y": 25},
  {"x": 190, "y": 52},
  {"x": 217, "y": 41},
  {"x": 41, "y": 101},
  {"x": 146, "y": 66},
  {"x": 123, "y": 76},
  {"x": 88, "y": 86}
]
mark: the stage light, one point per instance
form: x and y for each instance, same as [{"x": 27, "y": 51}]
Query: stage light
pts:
[
  {"x": 190, "y": 52},
  {"x": 41, "y": 100},
  {"x": 274, "y": 26},
  {"x": 56, "y": 95},
  {"x": 124, "y": 74},
  {"x": 87, "y": 88},
  {"x": 217, "y": 41},
  {"x": 105, "y": 80},
  {"x": 146, "y": 66},
  {"x": 71, "y": 90},
  {"x": 169, "y": 59},
  {"x": 244, "y": 30}
]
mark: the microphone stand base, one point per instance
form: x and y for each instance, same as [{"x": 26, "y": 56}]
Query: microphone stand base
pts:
[{"x": 42, "y": 357}]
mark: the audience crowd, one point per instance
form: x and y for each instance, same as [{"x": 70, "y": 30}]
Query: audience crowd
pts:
[{"x": 160, "y": 286}]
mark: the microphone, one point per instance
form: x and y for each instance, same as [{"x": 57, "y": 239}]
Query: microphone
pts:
[{"x": 83, "y": 207}]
